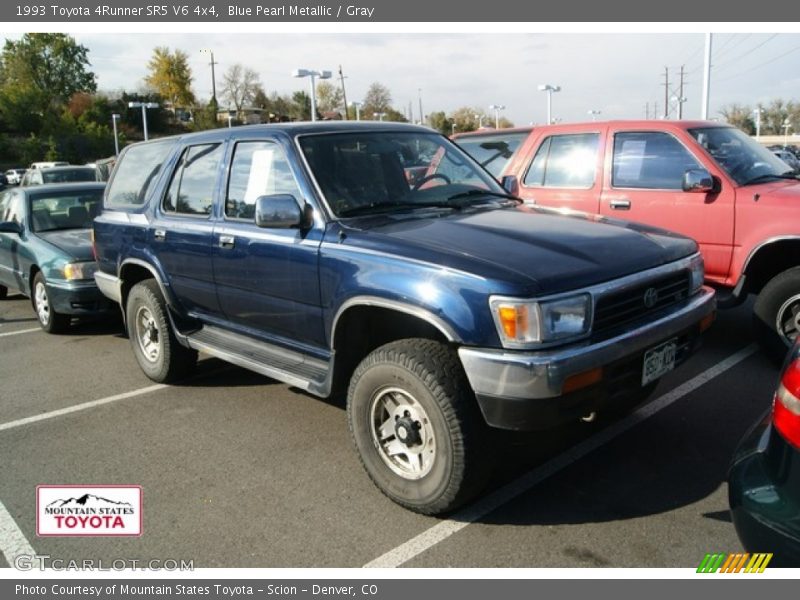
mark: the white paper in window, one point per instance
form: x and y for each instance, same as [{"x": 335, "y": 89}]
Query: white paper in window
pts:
[{"x": 260, "y": 175}]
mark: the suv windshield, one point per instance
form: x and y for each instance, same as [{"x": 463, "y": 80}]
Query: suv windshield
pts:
[
  {"x": 493, "y": 151},
  {"x": 365, "y": 172},
  {"x": 74, "y": 209},
  {"x": 741, "y": 157}
]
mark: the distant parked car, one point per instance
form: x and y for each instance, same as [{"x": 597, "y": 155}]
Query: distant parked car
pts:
[
  {"x": 14, "y": 176},
  {"x": 46, "y": 251},
  {"x": 69, "y": 174},
  {"x": 46, "y": 164},
  {"x": 788, "y": 157},
  {"x": 764, "y": 479}
]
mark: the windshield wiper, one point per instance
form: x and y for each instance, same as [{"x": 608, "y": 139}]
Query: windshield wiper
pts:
[
  {"x": 786, "y": 175},
  {"x": 380, "y": 207},
  {"x": 482, "y": 193}
]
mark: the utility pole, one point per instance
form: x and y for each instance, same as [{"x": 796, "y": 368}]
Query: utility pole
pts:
[
  {"x": 421, "y": 114},
  {"x": 655, "y": 110},
  {"x": 681, "y": 98},
  {"x": 706, "y": 77},
  {"x": 344, "y": 94},
  {"x": 666, "y": 92}
]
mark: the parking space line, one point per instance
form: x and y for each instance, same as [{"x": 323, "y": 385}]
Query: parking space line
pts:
[
  {"x": 13, "y": 542},
  {"x": 20, "y": 332},
  {"x": 79, "y": 407},
  {"x": 458, "y": 521}
]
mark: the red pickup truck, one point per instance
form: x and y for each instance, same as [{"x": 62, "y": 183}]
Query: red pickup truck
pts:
[{"x": 703, "y": 179}]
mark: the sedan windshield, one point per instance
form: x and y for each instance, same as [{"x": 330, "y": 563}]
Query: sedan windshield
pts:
[
  {"x": 741, "y": 157},
  {"x": 387, "y": 171},
  {"x": 73, "y": 209},
  {"x": 493, "y": 151}
]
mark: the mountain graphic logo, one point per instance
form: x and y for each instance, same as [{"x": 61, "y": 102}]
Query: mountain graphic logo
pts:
[{"x": 87, "y": 501}]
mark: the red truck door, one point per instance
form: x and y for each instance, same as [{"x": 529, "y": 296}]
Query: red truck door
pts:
[
  {"x": 562, "y": 167},
  {"x": 643, "y": 183}
]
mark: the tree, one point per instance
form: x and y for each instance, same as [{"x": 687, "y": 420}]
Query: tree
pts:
[
  {"x": 739, "y": 116},
  {"x": 43, "y": 71},
  {"x": 469, "y": 119},
  {"x": 441, "y": 123},
  {"x": 378, "y": 99},
  {"x": 239, "y": 86},
  {"x": 300, "y": 107},
  {"x": 329, "y": 98},
  {"x": 171, "y": 77}
]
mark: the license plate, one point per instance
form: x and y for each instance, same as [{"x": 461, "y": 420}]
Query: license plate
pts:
[{"x": 658, "y": 361}]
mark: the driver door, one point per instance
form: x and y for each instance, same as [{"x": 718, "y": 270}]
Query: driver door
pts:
[{"x": 644, "y": 172}]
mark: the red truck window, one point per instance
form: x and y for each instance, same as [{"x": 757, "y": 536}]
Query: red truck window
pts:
[
  {"x": 650, "y": 160},
  {"x": 565, "y": 161}
]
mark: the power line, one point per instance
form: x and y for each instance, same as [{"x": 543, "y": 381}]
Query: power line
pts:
[
  {"x": 763, "y": 64},
  {"x": 741, "y": 56}
]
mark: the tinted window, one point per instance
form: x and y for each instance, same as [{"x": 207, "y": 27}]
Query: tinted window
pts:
[
  {"x": 565, "y": 161},
  {"x": 191, "y": 191},
  {"x": 71, "y": 209},
  {"x": 136, "y": 173},
  {"x": 650, "y": 160},
  {"x": 494, "y": 151},
  {"x": 68, "y": 175},
  {"x": 258, "y": 169}
]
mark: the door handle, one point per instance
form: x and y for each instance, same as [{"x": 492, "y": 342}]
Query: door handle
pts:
[
  {"x": 160, "y": 235},
  {"x": 226, "y": 241},
  {"x": 620, "y": 204}
]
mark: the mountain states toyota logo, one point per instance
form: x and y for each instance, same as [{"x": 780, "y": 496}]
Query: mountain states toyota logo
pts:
[{"x": 95, "y": 510}]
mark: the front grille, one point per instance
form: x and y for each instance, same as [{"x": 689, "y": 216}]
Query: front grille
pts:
[{"x": 618, "y": 309}]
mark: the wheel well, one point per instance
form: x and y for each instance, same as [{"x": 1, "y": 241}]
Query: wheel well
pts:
[
  {"x": 34, "y": 270},
  {"x": 131, "y": 275},
  {"x": 771, "y": 260},
  {"x": 362, "y": 329}
]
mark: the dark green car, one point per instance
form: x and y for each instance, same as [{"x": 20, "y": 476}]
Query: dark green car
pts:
[{"x": 46, "y": 250}]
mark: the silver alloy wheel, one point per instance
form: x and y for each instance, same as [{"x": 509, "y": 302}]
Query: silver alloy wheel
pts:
[
  {"x": 42, "y": 304},
  {"x": 147, "y": 334},
  {"x": 402, "y": 433},
  {"x": 787, "y": 321}
]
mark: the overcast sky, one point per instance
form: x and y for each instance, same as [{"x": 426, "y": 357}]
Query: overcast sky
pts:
[{"x": 616, "y": 74}]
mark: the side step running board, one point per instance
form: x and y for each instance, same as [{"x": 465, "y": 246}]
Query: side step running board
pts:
[{"x": 293, "y": 368}]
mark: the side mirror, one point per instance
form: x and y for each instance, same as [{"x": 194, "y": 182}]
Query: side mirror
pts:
[
  {"x": 281, "y": 211},
  {"x": 510, "y": 184},
  {"x": 10, "y": 227},
  {"x": 698, "y": 181}
]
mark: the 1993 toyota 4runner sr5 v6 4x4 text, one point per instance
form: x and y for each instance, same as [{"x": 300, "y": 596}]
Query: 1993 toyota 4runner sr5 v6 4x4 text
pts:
[{"x": 379, "y": 260}]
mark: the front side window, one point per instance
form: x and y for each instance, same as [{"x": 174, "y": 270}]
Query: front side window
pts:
[
  {"x": 565, "y": 161},
  {"x": 650, "y": 160},
  {"x": 387, "y": 171},
  {"x": 258, "y": 169},
  {"x": 191, "y": 191}
]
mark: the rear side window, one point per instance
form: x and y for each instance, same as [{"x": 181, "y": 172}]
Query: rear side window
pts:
[
  {"x": 191, "y": 191},
  {"x": 650, "y": 160},
  {"x": 565, "y": 161},
  {"x": 136, "y": 174}
]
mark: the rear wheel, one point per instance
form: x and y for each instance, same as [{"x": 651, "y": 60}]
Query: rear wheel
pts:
[
  {"x": 776, "y": 314},
  {"x": 49, "y": 319},
  {"x": 416, "y": 426},
  {"x": 155, "y": 346}
]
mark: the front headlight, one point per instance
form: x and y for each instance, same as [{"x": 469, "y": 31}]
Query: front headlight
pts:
[
  {"x": 79, "y": 270},
  {"x": 698, "y": 271},
  {"x": 520, "y": 323}
]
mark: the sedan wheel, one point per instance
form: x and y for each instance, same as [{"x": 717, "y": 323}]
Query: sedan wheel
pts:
[{"x": 49, "y": 319}]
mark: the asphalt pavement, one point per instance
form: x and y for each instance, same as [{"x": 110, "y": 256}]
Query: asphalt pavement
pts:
[{"x": 240, "y": 471}]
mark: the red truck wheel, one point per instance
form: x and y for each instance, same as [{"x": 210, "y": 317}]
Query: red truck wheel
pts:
[{"x": 776, "y": 314}]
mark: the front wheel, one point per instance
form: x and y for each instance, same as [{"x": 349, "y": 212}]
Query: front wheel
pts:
[
  {"x": 49, "y": 320},
  {"x": 155, "y": 346},
  {"x": 416, "y": 426},
  {"x": 776, "y": 314}
]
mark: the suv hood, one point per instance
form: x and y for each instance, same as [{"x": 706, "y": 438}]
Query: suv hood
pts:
[{"x": 529, "y": 247}]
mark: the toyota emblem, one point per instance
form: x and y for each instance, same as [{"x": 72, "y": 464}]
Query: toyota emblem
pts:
[{"x": 650, "y": 297}]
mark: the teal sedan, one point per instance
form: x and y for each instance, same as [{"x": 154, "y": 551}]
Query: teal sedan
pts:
[{"x": 46, "y": 250}]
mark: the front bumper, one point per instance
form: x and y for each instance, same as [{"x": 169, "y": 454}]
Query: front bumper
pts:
[
  {"x": 763, "y": 494},
  {"x": 523, "y": 390},
  {"x": 77, "y": 298}
]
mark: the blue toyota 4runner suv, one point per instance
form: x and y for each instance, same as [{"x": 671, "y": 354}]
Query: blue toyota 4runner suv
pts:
[{"x": 380, "y": 261}]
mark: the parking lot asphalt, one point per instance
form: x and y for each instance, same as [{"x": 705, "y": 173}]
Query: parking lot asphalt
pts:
[{"x": 240, "y": 471}]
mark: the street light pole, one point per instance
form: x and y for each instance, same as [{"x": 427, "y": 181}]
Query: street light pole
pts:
[
  {"x": 421, "y": 114},
  {"x": 114, "y": 119},
  {"x": 496, "y": 108},
  {"x": 758, "y": 112},
  {"x": 358, "y": 109},
  {"x": 378, "y": 115},
  {"x": 144, "y": 106},
  {"x": 546, "y": 87},
  {"x": 313, "y": 75},
  {"x": 787, "y": 125},
  {"x": 594, "y": 113}
]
